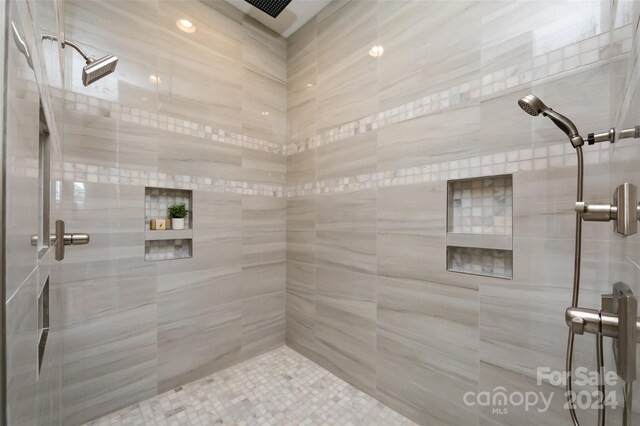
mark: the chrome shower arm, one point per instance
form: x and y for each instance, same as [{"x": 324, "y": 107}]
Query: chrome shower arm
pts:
[{"x": 65, "y": 42}]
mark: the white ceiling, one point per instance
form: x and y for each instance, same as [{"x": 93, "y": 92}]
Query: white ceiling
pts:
[{"x": 293, "y": 17}]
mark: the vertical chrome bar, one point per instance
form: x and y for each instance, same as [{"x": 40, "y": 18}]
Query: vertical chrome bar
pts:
[
  {"x": 3, "y": 137},
  {"x": 627, "y": 415},
  {"x": 601, "y": 386}
]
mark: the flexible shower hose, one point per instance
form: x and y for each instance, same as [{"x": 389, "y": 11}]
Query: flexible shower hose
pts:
[{"x": 574, "y": 304}]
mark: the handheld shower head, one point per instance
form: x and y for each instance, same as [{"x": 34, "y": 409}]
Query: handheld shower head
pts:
[{"x": 532, "y": 105}]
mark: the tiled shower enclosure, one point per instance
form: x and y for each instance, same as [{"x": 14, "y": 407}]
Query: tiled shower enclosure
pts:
[{"x": 395, "y": 220}]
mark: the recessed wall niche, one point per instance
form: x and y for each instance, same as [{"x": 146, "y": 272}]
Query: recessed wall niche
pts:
[
  {"x": 167, "y": 244},
  {"x": 480, "y": 226}
]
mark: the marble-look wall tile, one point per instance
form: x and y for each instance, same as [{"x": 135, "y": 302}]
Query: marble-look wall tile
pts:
[
  {"x": 429, "y": 46},
  {"x": 411, "y": 227},
  {"x": 346, "y": 231},
  {"x": 109, "y": 360},
  {"x": 421, "y": 381},
  {"x": 186, "y": 155},
  {"x": 301, "y": 230},
  {"x": 263, "y": 230},
  {"x": 450, "y": 134},
  {"x": 264, "y": 106},
  {"x": 263, "y": 323},
  {"x": 263, "y": 272},
  {"x": 207, "y": 340},
  {"x": 301, "y": 82},
  {"x": 105, "y": 140},
  {"x": 264, "y": 167},
  {"x": 345, "y": 326},
  {"x": 355, "y": 156},
  {"x": 264, "y": 51},
  {"x": 346, "y": 74},
  {"x": 301, "y": 168},
  {"x": 301, "y": 307}
]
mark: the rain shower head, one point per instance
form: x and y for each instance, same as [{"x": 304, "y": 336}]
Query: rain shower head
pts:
[
  {"x": 95, "y": 68},
  {"x": 98, "y": 68},
  {"x": 270, "y": 7},
  {"x": 532, "y": 105}
]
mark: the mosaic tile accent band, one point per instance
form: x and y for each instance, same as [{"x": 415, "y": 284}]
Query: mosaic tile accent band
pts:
[
  {"x": 280, "y": 387},
  {"x": 545, "y": 157},
  {"x": 100, "y": 107},
  {"x": 121, "y": 176},
  {"x": 167, "y": 250},
  {"x": 480, "y": 261},
  {"x": 481, "y": 206},
  {"x": 541, "y": 158}
]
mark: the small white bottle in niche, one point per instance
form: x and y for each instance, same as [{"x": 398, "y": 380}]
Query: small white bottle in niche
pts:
[{"x": 177, "y": 213}]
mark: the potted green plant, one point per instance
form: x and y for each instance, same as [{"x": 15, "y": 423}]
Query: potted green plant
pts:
[{"x": 177, "y": 212}]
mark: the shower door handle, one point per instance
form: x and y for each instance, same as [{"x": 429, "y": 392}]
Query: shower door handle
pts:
[
  {"x": 64, "y": 239},
  {"x": 59, "y": 240}
]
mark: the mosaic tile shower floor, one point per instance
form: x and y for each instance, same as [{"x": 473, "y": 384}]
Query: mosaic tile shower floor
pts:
[{"x": 280, "y": 387}]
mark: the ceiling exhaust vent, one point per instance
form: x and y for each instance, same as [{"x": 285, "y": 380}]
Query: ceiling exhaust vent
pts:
[{"x": 270, "y": 7}]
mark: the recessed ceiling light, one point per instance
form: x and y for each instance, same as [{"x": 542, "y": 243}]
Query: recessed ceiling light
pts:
[
  {"x": 186, "y": 25},
  {"x": 155, "y": 79},
  {"x": 376, "y": 51},
  {"x": 265, "y": 113},
  {"x": 309, "y": 85}
]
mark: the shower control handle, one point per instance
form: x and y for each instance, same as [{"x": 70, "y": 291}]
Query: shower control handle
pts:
[
  {"x": 597, "y": 212},
  {"x": 624, "y": 211},
  {"x": 626, "y": 305},
  {"x": 617, "y": 319},
  {"x": 593, "y": 321}
]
